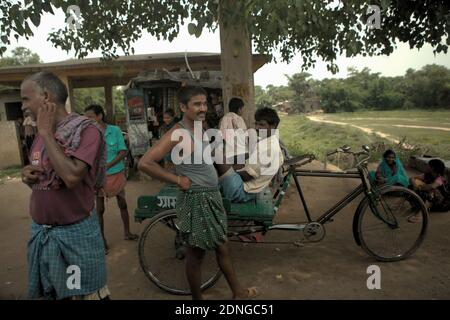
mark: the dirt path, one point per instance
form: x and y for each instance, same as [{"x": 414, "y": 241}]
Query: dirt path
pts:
[
  {"x": 421, "y": 127},
  {"x": 335, "y": 268},
  {"x": 394, "y": 119},
  {"x": 367, "y": 130}
]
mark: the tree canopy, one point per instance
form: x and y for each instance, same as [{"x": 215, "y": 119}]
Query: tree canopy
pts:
[
  {"x": 313, "y": 28},
  {"x": 427, "y": 88},
  {"x": 20, "y": 56}
]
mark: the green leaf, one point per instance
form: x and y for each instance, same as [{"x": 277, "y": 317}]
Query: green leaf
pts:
[
  {"x": 192, "y": 28},
  {"x": 36, "y": 19},
  {"x": 198, "y": 32},
  {"x": 46, "y": 6}
]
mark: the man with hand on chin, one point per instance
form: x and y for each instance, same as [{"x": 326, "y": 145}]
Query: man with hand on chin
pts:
[{"x": 68, "y": 159}]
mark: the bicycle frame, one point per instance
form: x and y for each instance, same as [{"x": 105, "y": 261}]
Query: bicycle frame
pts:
[{"x": 295, "y": 173}]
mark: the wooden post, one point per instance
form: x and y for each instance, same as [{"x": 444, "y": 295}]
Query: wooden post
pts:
[
  {"x": 109, "y": 103},
  {"x": 236, "y": 61}
]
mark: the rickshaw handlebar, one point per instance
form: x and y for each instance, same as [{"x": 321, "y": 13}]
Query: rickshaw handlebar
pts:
[
  {"x": 356, "y": 155},
  {"x": 300, "y": 160}
]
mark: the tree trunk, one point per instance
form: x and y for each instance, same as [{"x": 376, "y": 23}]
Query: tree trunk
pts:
[{"x": 236, "y": 60}]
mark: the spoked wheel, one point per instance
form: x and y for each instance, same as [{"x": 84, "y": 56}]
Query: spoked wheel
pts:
[
  {"x": 393, "y": 225},
  {"x": 162, "y": 256}
]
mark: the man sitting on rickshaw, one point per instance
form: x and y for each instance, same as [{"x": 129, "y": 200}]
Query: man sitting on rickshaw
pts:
[{"x": 242, "y": 182}]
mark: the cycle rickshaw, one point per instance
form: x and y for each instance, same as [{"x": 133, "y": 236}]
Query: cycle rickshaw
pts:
[{"x": 380, "y": 224}]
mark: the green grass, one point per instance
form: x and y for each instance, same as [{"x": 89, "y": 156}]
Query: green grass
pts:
[
  {"x": 415, "y": 117},
  {"x": 12, "y": 172},
  {"x": 304, "y": 136},
  {"x": 435, "y": 142}
]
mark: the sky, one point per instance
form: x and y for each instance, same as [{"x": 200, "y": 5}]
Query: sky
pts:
[{"x": 396, "y": 64}]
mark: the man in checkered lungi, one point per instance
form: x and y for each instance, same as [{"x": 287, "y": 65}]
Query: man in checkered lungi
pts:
[{"x": 67, "y": 163}]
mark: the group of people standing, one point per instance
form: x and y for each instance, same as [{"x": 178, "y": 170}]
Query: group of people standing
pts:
[{"x": 75, "y": 162}]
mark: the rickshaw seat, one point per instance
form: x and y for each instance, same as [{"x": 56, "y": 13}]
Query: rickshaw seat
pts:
[{"x": 260, "y": 209}]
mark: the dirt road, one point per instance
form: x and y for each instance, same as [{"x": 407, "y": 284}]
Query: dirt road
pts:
[
  {"x": 367, "y": 130},
  {"x": 332, "y": 269}
]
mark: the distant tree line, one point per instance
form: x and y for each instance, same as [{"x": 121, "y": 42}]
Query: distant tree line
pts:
[
  {"x": 20, "y": 56},
  {"x": 427, "y": 88}
]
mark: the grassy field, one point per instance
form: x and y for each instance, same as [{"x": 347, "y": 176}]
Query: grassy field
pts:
[
  {"x": 304, "y": 136},
  {"x": 12, "y": 172},
  {"x": 400, "y": 125},
  {"x": 411, "y": 117}
]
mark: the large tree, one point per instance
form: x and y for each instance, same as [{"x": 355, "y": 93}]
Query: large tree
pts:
[
  {"x": 20, "y": 56},
  {"x": 312, "y": 28},
  {"x": 303, "y": 87}
]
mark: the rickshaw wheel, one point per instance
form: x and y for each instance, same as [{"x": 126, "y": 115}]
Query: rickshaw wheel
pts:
[
  {"x": 384, "y": 229},
  {"x": 162, "y": 256}
]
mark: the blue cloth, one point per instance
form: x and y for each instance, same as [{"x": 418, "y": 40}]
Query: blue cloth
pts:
[
  {"x": 52, "y": 249},
  {"x": 232, "y": 187},
  {"x": 399, "y": 177},
  {"x": 114, "y": 144}
]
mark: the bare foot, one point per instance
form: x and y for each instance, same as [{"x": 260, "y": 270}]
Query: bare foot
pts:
[
  {"x": 415, "y": 218},
  {"x": 131, "y": 236},
  {"x": 247, "y": 294}
]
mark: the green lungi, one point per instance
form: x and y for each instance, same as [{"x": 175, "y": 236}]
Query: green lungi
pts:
[{"x": 203, "y": 220}]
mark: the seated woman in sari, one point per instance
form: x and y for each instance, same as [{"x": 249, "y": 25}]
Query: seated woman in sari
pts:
[{"x": 390, "y": 171}]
